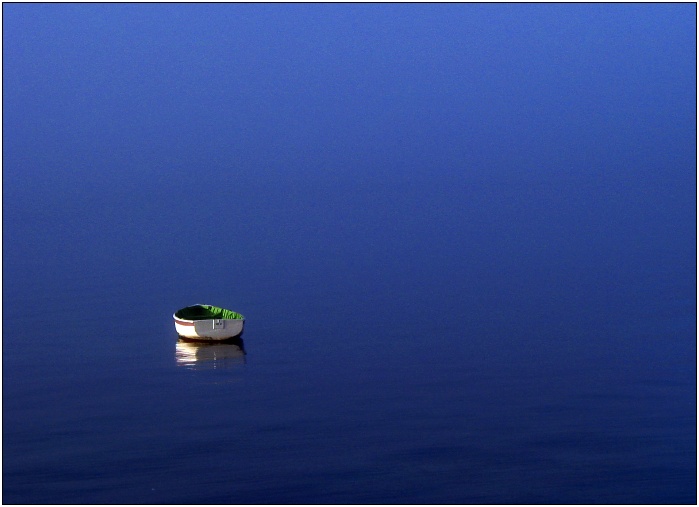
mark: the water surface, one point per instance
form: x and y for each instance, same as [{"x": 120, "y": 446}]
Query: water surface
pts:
[{"x": 463, "y": 238}]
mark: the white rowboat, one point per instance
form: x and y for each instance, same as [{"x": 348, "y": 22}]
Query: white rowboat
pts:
[{"x": 208, "y": 323}]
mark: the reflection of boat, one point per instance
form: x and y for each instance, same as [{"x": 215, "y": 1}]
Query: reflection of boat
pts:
[
  {"x": 221, "y": 353},
  {"x": 208, "y": 323}
]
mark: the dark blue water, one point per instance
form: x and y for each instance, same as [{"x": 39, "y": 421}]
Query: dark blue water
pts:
[{"x": 463, "y": 237}]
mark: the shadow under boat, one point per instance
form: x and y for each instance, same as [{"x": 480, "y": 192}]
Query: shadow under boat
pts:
[{"x": 223, "y": 353}]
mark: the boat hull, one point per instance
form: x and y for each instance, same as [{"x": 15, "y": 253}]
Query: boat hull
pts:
[{"x": 209, "y": 329}]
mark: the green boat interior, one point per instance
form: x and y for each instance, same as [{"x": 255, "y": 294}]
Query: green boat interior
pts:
[{"x": 205, "y": 312}]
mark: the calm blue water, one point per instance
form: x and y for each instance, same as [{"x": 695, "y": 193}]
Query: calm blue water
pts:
[{"x": 463, "y": 237}]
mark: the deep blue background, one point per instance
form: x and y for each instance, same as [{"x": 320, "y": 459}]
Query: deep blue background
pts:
[{"x": 463, "y": 236}]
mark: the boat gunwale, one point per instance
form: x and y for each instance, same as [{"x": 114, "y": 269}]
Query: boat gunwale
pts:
[
  {"x": 187, "y": 322},
  {"x": 190, "y": 322}
]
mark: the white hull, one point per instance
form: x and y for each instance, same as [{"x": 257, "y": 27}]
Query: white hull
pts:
[{"x": 210, "y": 330}]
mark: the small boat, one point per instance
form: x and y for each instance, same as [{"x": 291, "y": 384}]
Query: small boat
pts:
[{"x": 208, "y": 323}]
